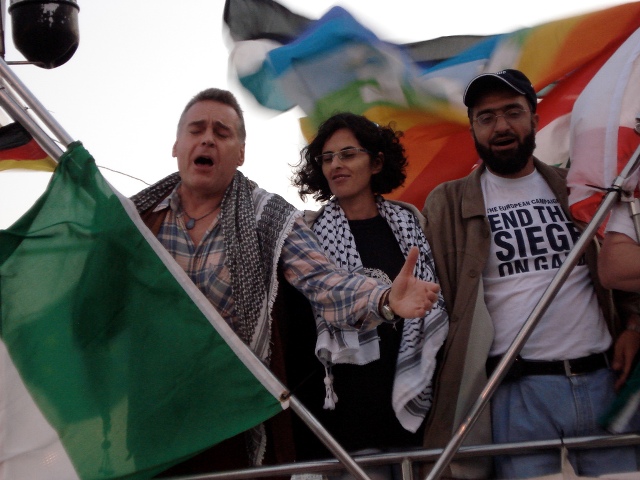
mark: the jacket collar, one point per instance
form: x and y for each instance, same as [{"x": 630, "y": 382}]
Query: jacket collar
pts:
[{"x": 472, "y": 199}]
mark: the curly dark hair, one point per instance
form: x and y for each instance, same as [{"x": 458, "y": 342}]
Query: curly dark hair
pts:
[{"x": 308, "y": 176}]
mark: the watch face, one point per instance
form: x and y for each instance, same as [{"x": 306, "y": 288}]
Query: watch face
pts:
[{"x": 387, "y": 313}]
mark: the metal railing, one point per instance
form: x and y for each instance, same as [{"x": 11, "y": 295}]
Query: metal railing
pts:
[{"x": 408, "y": 459}]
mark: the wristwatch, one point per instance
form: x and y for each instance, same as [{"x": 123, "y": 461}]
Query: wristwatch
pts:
[{"x": 385, "y": 309}]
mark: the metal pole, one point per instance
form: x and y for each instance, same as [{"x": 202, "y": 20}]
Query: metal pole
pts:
[
  {"x": 424, "y": 455},
  {"x": 333, "y": 446},
  {"x": 635, "y": 215},
  {"x": 407, "y": 469},
  {"x": 542, "y": 305},
  {"x": 18, "y": 113},
  {"x": 32, "y": 102},
  {"x": 3, "y": 30}
]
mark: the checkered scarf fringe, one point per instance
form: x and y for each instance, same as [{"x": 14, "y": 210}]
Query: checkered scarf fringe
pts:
[
  {"x": 421, "y": 337},
  {"x": 254, "y": 224},
  {"x": 243, "y": 256}
]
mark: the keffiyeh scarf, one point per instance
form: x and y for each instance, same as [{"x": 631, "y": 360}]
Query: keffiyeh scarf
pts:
[
  {"x": 421, "y": 337},
  {"x": 255, "y": 224}
]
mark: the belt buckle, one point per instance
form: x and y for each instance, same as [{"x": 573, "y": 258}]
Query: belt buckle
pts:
[{"x": 567, "y": 369}]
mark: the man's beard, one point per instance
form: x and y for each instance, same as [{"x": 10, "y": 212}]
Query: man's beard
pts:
[{"x": 509, "y": 163}]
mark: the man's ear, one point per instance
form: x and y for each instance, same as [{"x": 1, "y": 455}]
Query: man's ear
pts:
[
  {"x": 173, "y": 150},
  {"x": 534, "y": 120},
  {"x": 241, "y": 157}
]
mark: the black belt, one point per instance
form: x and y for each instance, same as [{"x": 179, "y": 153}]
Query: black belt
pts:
[{"x": 577, "y": 366}]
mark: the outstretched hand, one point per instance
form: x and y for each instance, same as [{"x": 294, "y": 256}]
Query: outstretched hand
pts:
[{"x": 409, "y": 296}]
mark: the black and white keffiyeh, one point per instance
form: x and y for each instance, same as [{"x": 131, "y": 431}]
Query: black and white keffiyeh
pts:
[
  {"x": 421, "y": 337},
  {"x": 255, "y": 224}
]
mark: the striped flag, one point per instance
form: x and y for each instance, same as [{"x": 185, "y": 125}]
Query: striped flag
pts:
[
  {"x": 19, "y": 150},
  {"x": 336, "y": 64},
  {"x": 112, "y": 363}
]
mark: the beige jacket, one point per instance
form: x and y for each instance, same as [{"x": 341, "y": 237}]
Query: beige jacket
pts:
[{"x": 459, "y": 235}]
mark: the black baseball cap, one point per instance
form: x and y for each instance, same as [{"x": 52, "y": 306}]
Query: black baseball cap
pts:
[{"x": 514, "y": 79}]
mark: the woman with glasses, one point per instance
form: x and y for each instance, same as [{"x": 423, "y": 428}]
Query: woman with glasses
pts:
[{"x": 378, "y": 384}]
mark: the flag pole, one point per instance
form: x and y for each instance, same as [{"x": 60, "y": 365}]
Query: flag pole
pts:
[
  {"x": 634, "y": 213},
  {"x": 244, "y": 353},
  {"x": 19, "y": 114},
  {"x": 547, "y": 297},
  {"x": 43, "y": 114}
]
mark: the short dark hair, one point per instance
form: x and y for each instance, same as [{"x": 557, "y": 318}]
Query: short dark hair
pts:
[
  {"x": 221, "y": 96},
  {"x": 308, "y": 176}
]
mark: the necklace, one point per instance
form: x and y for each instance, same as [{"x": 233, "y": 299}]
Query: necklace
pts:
[{"x": 192, "y": 221}]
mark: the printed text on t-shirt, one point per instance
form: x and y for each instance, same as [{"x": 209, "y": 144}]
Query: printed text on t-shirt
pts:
[{"x": 532, "y": 235}]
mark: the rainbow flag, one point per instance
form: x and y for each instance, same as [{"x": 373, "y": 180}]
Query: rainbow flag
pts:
[
  {"x": 19, "y": 150},
  {"x": 335, "y": 64}
]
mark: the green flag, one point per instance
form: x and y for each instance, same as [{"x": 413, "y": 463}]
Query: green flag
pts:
[
  {"x": 624, "y": 409},
  {"x": 113, "y": 364}
]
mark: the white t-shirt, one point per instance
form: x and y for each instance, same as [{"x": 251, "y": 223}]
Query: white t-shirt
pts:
[
  {"x": 531, "y": 237},
  {"x": 620, "y": 220}
]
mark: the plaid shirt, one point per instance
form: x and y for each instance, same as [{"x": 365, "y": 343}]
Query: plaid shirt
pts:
[{"x": 340, "y": 297}]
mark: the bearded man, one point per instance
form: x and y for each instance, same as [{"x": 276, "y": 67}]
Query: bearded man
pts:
[{"x": 498, "y": 237}]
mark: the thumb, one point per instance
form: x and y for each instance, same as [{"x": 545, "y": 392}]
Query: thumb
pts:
[{"x": 410, "y": 262}]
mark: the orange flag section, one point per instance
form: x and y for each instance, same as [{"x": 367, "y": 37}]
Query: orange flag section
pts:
[{"x": 433, "y": 161}]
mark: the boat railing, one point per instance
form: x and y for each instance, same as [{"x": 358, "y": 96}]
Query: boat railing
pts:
[{"x": 410, "y": 458}]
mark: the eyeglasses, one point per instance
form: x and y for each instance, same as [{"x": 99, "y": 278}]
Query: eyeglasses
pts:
[
  {"x": 489, "y": 119},
  {"x": 346, "y": 154}
]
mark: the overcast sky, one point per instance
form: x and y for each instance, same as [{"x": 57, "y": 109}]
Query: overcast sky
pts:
[{"x": 139, "y": 62}]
